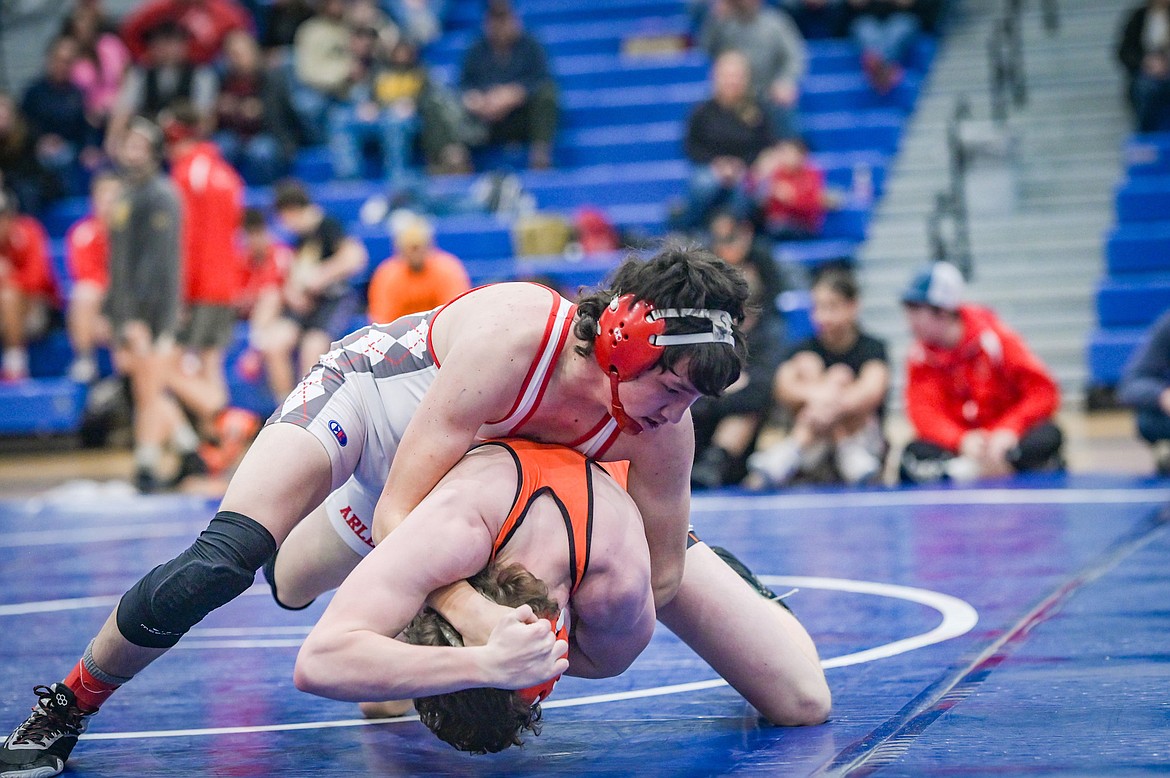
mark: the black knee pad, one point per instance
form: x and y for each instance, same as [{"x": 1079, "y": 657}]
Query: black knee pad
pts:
[{"x": 213, "y": 571}]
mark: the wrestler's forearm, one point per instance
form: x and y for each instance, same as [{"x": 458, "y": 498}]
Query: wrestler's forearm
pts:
[
  {"x": 471, "y": 614},
  {"x": 363, "y": 665}
]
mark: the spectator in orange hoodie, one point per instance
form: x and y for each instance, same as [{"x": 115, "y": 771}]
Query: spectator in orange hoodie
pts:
[
  {"x": 419, "y": 277},
  {"x": 981, "y": 402}
]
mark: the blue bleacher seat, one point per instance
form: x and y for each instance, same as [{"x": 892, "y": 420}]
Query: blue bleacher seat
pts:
[
  {"x": 1133, "y": 301},
  {"x": 1138, "y": 248},
  {"x": 1143, "y": 199},
  {"x": 1148, "y": 154},
  {"x": 1109, "y": 351},
  {"x": 41, "y": 407}
]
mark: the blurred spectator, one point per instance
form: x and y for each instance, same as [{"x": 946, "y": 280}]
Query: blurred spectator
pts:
[
  {"x": 20, "y": 172},
  {"x": 724, "y": 137},
  {"x": 265, "y": 265},
  {"x": 982, "y": 404},
  {"x": 726, "y": 427},
  {"x": 420, "y": 20},
  {"x": 774, "y": 49},
  {"x": 325, "y": 67},
  {"x": 1144, "y": 51},
  {"x": 420, "y": 276},
  {"x": 54, "y": 107},
  {"x": 791, "y": 191},
  {"x": 1145, "y": 387},
  {"x": 280, "y": 21},
  {"x": 206, "y": 23},
  {"x": 817, "y": 18},
  {"x": 383, "y": 108},
  {"x": 885, "y": 31},
  {"x": 833, "y": 387},
  {"x": 212, "y": 198},
  {"x": 166, "y": 76},
  {"x": 142, "y": 301},
  {"x": 87, "y": 256},
  {"x": 28, "y": 291},
  {"x": 255, "y": 121},
  {"x": 320, "y": 303},
  {"x": 506, "y": 87},
  {"x": 102, "y": 60}
]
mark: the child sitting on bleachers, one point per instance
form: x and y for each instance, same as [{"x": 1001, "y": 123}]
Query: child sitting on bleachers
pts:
[
  {"x": 28, "y": 290},
  {"x": 791, "y": 191}
]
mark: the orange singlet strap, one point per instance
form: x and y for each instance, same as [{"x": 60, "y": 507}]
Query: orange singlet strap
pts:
[{"x": 567, "y": 477}]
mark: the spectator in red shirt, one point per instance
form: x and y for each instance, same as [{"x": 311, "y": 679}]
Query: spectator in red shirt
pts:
[
  {"x": 980, "y": 401},
  {"x": 27, "y": 287},
  {"x": 791, "y": 191},
  {"x": 207, "y": 22},
  {"x": 420, "y": 276},
  {"x": 265, "y": 265},
  {"x": 212, "y": 197},
  {"x": 87, "y": 256}
]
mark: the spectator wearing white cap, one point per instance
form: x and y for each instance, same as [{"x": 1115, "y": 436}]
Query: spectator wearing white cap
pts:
[{"x": 980, "y": 401}]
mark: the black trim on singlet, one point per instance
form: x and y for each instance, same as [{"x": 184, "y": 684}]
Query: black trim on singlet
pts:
[{"x": 565, "y": 517}]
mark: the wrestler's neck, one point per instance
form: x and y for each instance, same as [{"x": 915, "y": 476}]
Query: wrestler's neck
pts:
[{"x": 580, "y": 379}]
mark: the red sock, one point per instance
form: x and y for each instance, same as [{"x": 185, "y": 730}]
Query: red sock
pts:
[{"x": 90, "y": 692}]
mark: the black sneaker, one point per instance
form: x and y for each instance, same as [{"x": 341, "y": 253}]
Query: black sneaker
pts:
[
  {"x": 743, "y": 572},
  {"x": 190, "y": 464},
  {"x": 39, "y": 747},
  {"x": 146, "y": 482}
]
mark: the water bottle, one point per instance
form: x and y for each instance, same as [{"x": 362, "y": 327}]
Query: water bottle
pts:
[{"x": 862, "y": 184}]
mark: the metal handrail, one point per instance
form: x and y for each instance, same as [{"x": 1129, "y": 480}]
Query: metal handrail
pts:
[{"x": 951, "y": 206}]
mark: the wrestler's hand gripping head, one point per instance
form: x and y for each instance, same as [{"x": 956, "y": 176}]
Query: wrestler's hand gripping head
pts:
[{"x": 631, "y": 338}]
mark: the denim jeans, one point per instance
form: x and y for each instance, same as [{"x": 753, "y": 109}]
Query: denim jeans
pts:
[
  {"x": 259, "y": 158},
  {"x": 706, "y": 193},
  {"x": 1153, "y": 425},
  {"x": 1151, "y": 103},
  {"x": 889, "y": 38},
  {"x": 348, "y": 133}
]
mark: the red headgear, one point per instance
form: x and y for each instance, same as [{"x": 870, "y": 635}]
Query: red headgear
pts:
[
  {"x": 539, "y": 693},
  {"x": 631, "y": 337}
]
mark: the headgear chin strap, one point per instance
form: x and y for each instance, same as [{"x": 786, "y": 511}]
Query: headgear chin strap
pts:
[{"x": 631, "y": 336}]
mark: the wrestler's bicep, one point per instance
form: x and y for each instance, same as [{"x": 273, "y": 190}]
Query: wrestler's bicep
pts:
[{"x": 442, "y": 541}]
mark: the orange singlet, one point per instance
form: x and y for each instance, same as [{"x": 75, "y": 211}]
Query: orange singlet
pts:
[{"x": 567, "y": 477}]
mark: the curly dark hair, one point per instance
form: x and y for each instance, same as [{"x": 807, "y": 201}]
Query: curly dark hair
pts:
[
  {"x": 483, "y": 720},
  {"x": 678, "y": 276}
]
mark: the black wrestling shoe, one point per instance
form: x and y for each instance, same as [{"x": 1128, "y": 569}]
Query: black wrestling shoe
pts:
[
  {"x": 269, "y": 570},
  {"x": 743, "y": 572},
  {"x": 39, "y": 747},
  {"x": 190, "y": 464}
]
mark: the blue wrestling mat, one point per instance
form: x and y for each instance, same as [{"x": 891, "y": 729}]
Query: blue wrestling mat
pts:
[{"x": 973, "y": 632}]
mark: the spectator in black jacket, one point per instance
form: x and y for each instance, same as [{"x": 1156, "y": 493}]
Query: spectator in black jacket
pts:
[
  {"x": 20, "y": 171},
  {"x": 506, "y": 87},
  {"x": 1144, "y": 52},
  {"x": 724, "y": 136},
  {"x": 54, "y": 107},
  {"x": 726, "y": 427},
  {"x": 255, "y": 121},
  {"x": 1145, "y": 387}
]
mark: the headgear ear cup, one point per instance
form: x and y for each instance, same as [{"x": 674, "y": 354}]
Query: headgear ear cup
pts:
[
  {"x": 625, "y": 337},
  {"x": 631, "y": 337}
]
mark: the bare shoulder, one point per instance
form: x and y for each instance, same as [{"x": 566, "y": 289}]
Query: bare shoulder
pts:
[
  {"x": 483, "y": 480},
  {"x": 507, "y": 317},
  {"x": 619, "y": 539}
]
